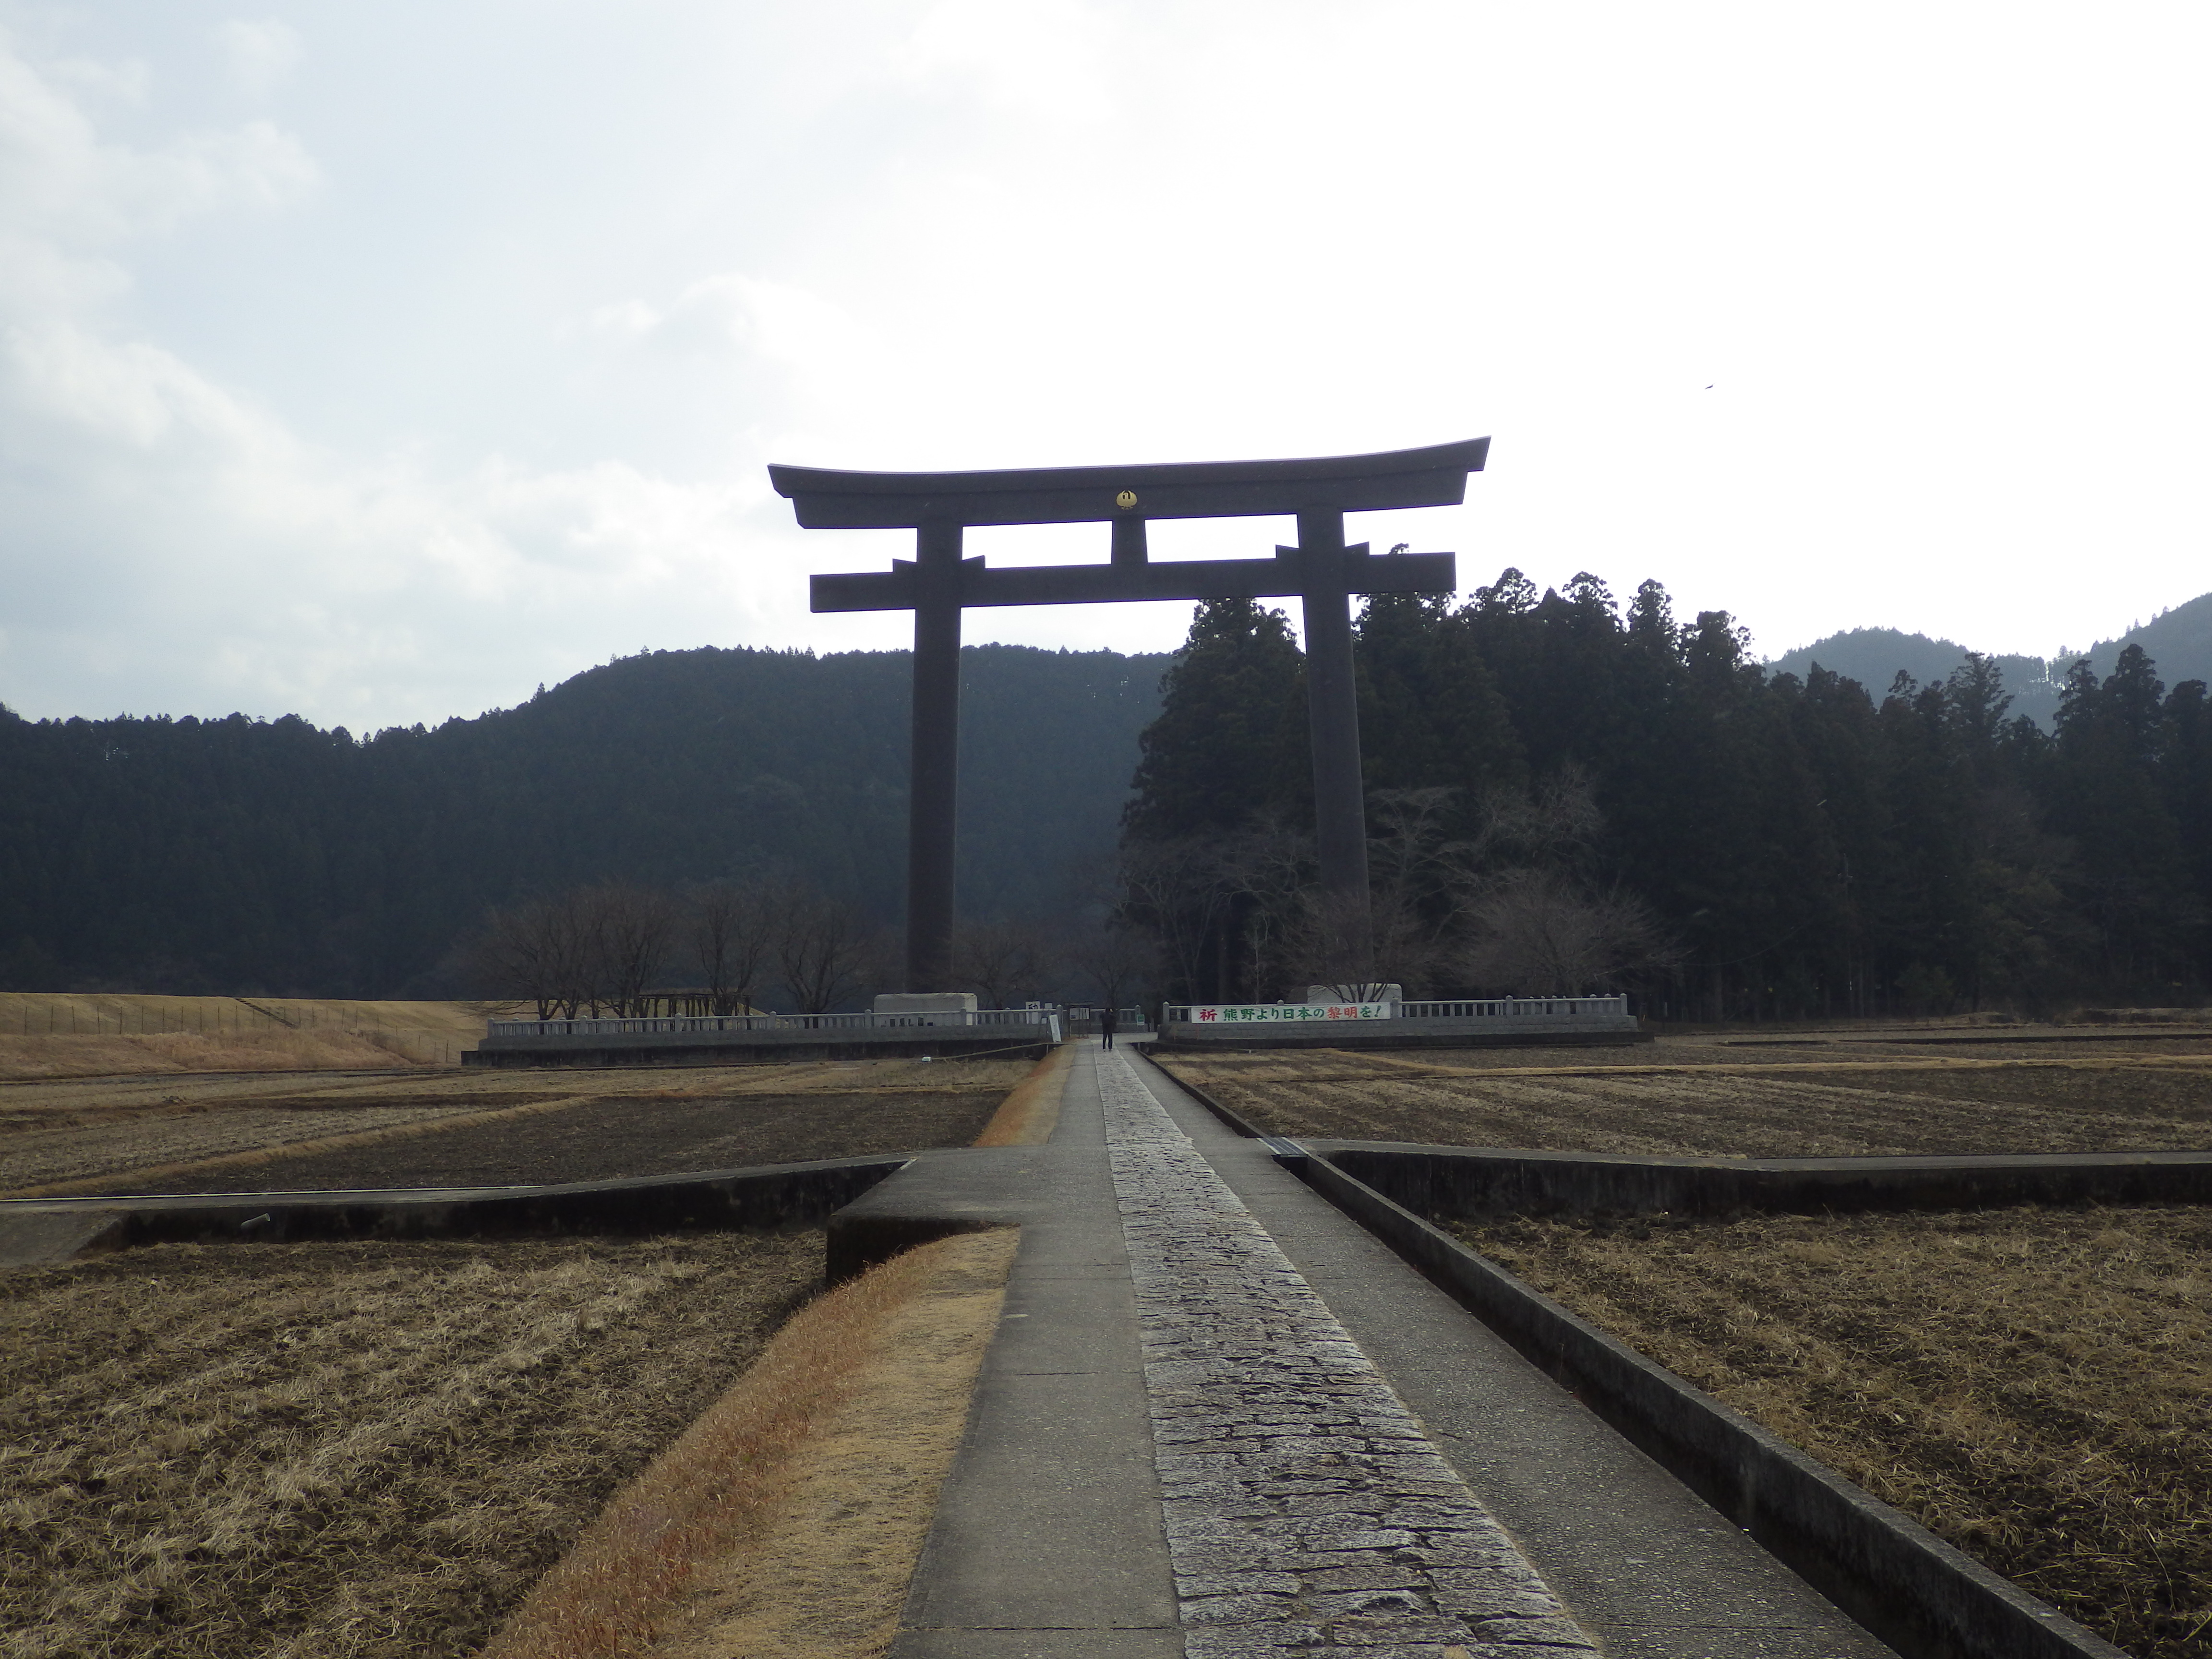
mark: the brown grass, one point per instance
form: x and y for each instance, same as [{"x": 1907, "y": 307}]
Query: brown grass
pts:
[
  {"x": 1030, "y": 1110},
  {"x": 2033, "y": 1386},
  {"x": 1782, "y": 1109},
  {"x": 83, "y": 1036},
  {"x": 344, "y": 1449},
  {"x": 785, "y": 1522}
]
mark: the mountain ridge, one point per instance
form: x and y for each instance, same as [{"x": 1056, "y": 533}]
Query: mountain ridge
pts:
[{"x": 2178, "y": 641}]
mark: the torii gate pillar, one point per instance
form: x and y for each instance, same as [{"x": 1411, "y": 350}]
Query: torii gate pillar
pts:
[
  {"x": 1320, "y": 571},
  {"x": 933, "y": 788},
  {"x": 1333, "y": 725}
]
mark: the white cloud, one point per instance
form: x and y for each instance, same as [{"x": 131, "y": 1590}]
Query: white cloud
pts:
[
  {"x": 262, "y": 54},
  {"x": 64, "y": 188},
  {"x": 499, "y": 405},
  {"x": 251, "y": 563},
  {"x": 1050, "y": 59}
]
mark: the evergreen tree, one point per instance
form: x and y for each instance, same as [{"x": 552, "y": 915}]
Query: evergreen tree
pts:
[
  {"x": 1430, "y": 714},
  {"x": 1229, "y": 744},
  {"x": 2129, "y": 873}
]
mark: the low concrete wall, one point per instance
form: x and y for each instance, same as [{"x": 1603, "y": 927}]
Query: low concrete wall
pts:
[
  {"x": 765, "y": 1198},
  {"x": 1906, "y": 1585},
  {"x": 963, "y": 1190},
  {"x": 1473, "y": 1180},
  {"x": 754, "y": 1047},
  {"x": 1529, "y": 1033}
]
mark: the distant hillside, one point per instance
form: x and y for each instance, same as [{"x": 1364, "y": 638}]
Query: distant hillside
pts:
[
  {"x": 2178, "y": 640},
  {"x": 241, "y": 855}
]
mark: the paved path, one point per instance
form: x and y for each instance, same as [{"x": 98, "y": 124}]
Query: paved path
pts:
[
  {"x": 1305, "y": 1511},
  {"x": 1218, "y": 1418}
]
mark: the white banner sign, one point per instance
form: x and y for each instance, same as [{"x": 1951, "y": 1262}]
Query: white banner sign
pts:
[{"x": 1237, "y": 1013}]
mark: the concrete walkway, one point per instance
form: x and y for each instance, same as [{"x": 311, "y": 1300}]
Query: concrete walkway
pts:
[{"x": 1218, "y": 1418}]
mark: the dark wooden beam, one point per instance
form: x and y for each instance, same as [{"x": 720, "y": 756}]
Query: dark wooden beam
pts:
[
  {"x": 1126, "y": 579},
  {"x": 1435, "y": 476},
  {"x": 934, "y": 789},
  {"x": 1333, "y": 725}
]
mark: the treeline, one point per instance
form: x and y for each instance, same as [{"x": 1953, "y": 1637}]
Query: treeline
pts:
[
  {"x": 245, "y": 856},
  {"x": 615, "y": 948},
  {"x": 620, "y": 949},
  {"x": 1566, "y": 793}
]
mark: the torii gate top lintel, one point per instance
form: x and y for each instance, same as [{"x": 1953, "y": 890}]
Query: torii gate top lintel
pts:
[
  {"x": 828, "y": 499},
  {"x": 939, "y": 583}
]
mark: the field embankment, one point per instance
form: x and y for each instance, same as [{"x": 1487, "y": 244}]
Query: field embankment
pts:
[
  {"x": 787, "y": 1521},
  {"x": 117, "y": 1034},
  {"x": 2034, "y": 1386},
  {"x": 348, "y": 1450}
]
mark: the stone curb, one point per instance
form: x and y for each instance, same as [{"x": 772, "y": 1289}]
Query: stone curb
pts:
[
  {"x": 1471, "y": 1180},
  {"x": 1900, "y": 1580},
  {"x": 764, "y": 1198}
]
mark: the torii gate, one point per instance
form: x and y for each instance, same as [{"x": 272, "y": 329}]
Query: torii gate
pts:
[{"x": 939, "y": 584}]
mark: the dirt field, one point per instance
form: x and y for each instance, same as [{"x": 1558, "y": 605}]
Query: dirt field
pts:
[
  {"x": 1812, "y": 1098},
  {"x": 2034, "y": 1386},
  {"x": 451, "y": 1128},
  {"x": 109, "y": 1035},
  {"x": 344, "y": 1449}
]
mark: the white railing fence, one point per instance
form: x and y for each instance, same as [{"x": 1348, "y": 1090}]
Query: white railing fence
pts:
[
  {"x": 1516, "y": 1008},
  {"x": 694, "y": 1025},
  {"x": 1481, "y": 1008}
]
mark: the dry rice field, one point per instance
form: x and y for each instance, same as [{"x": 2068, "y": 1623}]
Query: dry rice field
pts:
[
  {"x": 2033, "y": 1386},
  {"x": 1687, "y": 1096},
  {"x": 347, "y": 1450},
  {"x": 376, "y": 1450},
  {"x": 309, "y": 1131}
]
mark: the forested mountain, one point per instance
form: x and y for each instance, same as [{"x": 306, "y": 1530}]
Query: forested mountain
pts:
[
  {"x": 236, "y": 855},
  {"x": 2178, "y": 640},
  {"x": 1566, "y": 792},
  {"x": 1751, "y": 843}
]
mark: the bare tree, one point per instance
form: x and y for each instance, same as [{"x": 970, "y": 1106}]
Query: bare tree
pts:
[
  {"x": 1330, "y": 939},
  {"x": 1555, "y": 826},
  {"x": 1268, "y": 871},
  {"x": 1421, "y": 878},
  {"x": 627, "y": 930},
  {"x": 1535, "y": 933},
  {"x": 1002, "y": 960},
  {"x": 535, "y": 950},
  {"x": 1175, "y": 890},
  {"x": 1114, "y": 960},
  {"x": 824, "y": 948},
  {"x": 1419, "y": 881},
  {"x": 732, "y": 936}
]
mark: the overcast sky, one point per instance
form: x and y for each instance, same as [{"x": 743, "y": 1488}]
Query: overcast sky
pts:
[{"x": 378, "y": 362}]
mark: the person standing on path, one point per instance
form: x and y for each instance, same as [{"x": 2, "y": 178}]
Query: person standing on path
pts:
[{"x": 1107, "y": 1021}]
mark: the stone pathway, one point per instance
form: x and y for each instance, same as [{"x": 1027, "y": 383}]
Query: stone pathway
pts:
[{"x": 1307, "y": 1514}]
